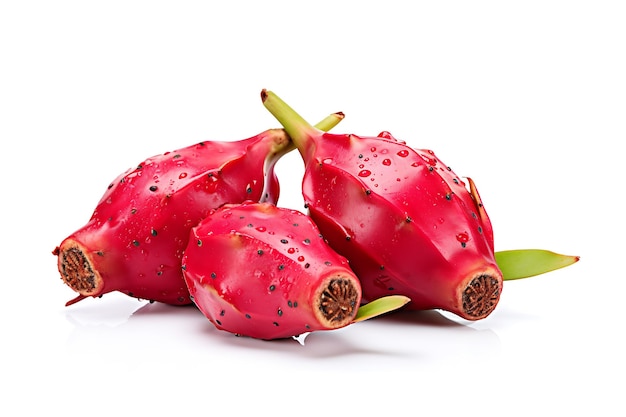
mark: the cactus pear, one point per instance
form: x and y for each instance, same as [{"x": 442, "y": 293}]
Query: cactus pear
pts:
[
  {"x": 405, "y": 221},
  {"x": 134, "y": 240},
  {"x": 262, "y": 271}
]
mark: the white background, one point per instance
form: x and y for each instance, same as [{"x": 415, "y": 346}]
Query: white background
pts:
[{"x": 528, "y": 98}]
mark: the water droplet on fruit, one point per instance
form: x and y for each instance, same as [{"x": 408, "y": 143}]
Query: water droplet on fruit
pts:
[
  {"x": 373, "y": 149},
  {"x": 261, "y": 228},
  {"x": 462, "y": 237},
  {"x": 385, "y": 135},
  {"x": 328, "y": 160},
  {"x": 291, "y": 250},
  {"x": 361, "y": 166},
  {"x": 403, "y": 153},
  {"x": 301, "y": 258},
  {"x": 387, "y": 162},
  {"x": 365, "y": 173},
  {"x": 182, "y": 175},
  {"x": 430, "y": 161}
]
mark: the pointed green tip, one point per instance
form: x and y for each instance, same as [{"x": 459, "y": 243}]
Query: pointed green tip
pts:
[
  {"x": 380, "y": 306},
  {"x": 525, "y": 263}
]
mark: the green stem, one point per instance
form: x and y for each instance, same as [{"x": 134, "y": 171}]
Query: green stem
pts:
[
  {"x": 329, "y": 122},
  {"x": 524, "y": 263},
  {"x": 300, "y": 131}
]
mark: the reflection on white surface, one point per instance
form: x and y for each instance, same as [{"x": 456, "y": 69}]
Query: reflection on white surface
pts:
[{"x": 129, "y": 327}]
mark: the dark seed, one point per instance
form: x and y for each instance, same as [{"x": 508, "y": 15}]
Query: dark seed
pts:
[
  {"x": 153, "y": 232},
  {"x": 135, "y": 242},
  {"x": 218, "y": 322},
  {"x": 280, "y": 312},
  {"x": 222, "y": 313},
  {"x": 284, "y": 241},
  {"x": 276, "y": 324},
  {"x": 153, "y": 188},
  {"x": 213, "y": 275},
  {"x": 260, "y": 252},
  {"x": 199, "y": 242},
  {"x": 248, "y": 316},
  {"x": 272, "y": 287},
  {"x": 281, "y": 267}
]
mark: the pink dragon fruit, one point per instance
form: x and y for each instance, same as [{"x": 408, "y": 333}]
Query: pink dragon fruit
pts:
[
  {"x": 262, "y": 271},
  {"x": 134, "y": 240},
  {"x": 407, "y": 224}
]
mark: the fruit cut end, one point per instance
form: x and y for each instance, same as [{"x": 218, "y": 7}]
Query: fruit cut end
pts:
[
  {"x": 480, "y": 296},
  {"x": 78, "y": 272},
  {"x": 337, "y": 302}
]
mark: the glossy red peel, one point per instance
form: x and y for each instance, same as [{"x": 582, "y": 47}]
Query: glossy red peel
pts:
[
  {"x": 406, "y": 222},
  {"x": 134, "y": 240}
]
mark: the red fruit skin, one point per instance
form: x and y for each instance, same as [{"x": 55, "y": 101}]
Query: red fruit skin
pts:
[
  {"x": 405, "y": 221},
  {"x": 265, "y": 272},
  {"x": 135, "y": 238}
]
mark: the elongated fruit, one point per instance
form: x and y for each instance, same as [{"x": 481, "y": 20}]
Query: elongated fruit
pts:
[
  {"x": 134, "y": 240},
  {"x": 262, "y": 271},
  {"x": 406, "y": 222}
]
